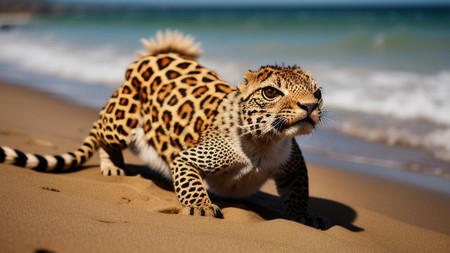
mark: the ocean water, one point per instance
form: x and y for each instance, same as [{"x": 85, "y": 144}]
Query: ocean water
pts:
[{"x": 385, "y": 72}]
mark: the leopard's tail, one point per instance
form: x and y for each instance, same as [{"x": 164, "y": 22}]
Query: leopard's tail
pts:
[
  {"x": 51, "y": 163},
  {"x": 171, "y": 42}
]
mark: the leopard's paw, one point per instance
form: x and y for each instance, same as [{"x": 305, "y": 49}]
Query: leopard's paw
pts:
[
  {"x": 112, "y": 171},
  {"x": 207, "y": 211}
]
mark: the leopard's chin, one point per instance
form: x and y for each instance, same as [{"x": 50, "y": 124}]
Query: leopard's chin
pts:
[{"x": 301, "y": 127}]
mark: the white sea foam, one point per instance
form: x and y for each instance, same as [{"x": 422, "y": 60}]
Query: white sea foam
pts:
[
  {"x": 403, "y": 95},
  {"x": 101, "y": 64},
  {"x": 436, "y": 141},
  {"x": 53, "y": 57}
]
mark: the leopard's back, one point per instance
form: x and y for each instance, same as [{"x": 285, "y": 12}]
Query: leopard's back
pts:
[
  {"x": 179, "y": 101},
  {"x": 176, "y": 99}
]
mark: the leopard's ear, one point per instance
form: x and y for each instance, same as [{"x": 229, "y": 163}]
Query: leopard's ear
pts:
[
  {"x": 253, "y": 79},
  {"x": 249, "y": 79},
  {"x": 308, "y": 73},
  {"x": 250, "y": 76},
  {"x": 258, "y": 76}
]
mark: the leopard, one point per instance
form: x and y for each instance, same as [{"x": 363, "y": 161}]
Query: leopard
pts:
[{"x": 203, "y": 134}]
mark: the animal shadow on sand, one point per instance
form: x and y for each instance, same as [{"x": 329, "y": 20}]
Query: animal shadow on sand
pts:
[
  {"x": 266, "y": 205},
  {"x": 270, "y": 207}
]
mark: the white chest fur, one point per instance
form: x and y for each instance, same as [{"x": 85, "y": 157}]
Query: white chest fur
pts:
[{"x": 259, "y": 162}]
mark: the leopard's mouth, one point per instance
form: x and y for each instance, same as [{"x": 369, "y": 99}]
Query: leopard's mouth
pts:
[
  {"x": 307, "y": 121},
  {"x": 304, "y": 124}
]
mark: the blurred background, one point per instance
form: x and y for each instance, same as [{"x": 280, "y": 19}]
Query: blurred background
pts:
[{"x": 384, "y": 66}]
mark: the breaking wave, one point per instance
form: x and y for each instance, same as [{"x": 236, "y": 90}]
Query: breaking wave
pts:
[
  {"x": 49, "y": 56},
  {"x": 437, "y": 141},
  {"x": 380, "y": 93},
  {"x": 404, "y": 95}
]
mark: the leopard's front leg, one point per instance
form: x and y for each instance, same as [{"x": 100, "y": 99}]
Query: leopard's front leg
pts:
[
  {"x": 292, "y": 185},
  {"x": 188, "y": 171},
  {"x": 191, "y": 192}
]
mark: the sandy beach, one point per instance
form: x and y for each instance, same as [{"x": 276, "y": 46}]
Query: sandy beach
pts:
[{"x": 84, "y": 211}]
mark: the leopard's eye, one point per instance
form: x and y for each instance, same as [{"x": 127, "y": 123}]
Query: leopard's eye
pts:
[{"x": 270, "y": 93}]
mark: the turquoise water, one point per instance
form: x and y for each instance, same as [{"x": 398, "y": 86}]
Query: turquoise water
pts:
[
  {"x": 402, "y": 39},
  {"x": 385, "y": 73}
]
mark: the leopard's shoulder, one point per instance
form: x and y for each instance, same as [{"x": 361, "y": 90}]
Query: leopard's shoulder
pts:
[{"x": 179, "y": 98}]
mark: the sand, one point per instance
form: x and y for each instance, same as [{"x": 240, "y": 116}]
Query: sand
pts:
[{"x": 84, "y": 211}]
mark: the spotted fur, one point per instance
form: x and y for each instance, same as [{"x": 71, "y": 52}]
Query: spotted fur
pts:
[{"x": 183, "y": 120}]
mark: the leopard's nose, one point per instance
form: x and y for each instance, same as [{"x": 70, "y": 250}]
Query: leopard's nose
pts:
[{"x": 308, "y": 107}]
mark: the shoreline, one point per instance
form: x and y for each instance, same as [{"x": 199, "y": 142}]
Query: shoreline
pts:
[{"x": 53, "y": 211}]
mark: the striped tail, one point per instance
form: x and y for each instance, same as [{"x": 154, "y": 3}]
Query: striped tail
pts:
[{"x": 51, "y": 163}]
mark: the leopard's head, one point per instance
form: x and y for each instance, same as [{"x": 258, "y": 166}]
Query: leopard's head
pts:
[{"x": 279, "y": 102}]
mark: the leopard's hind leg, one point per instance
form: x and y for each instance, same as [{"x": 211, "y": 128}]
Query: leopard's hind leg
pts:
[
  {"x": 117, "y": 120},
  {"x": 112, "y": 142}
]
